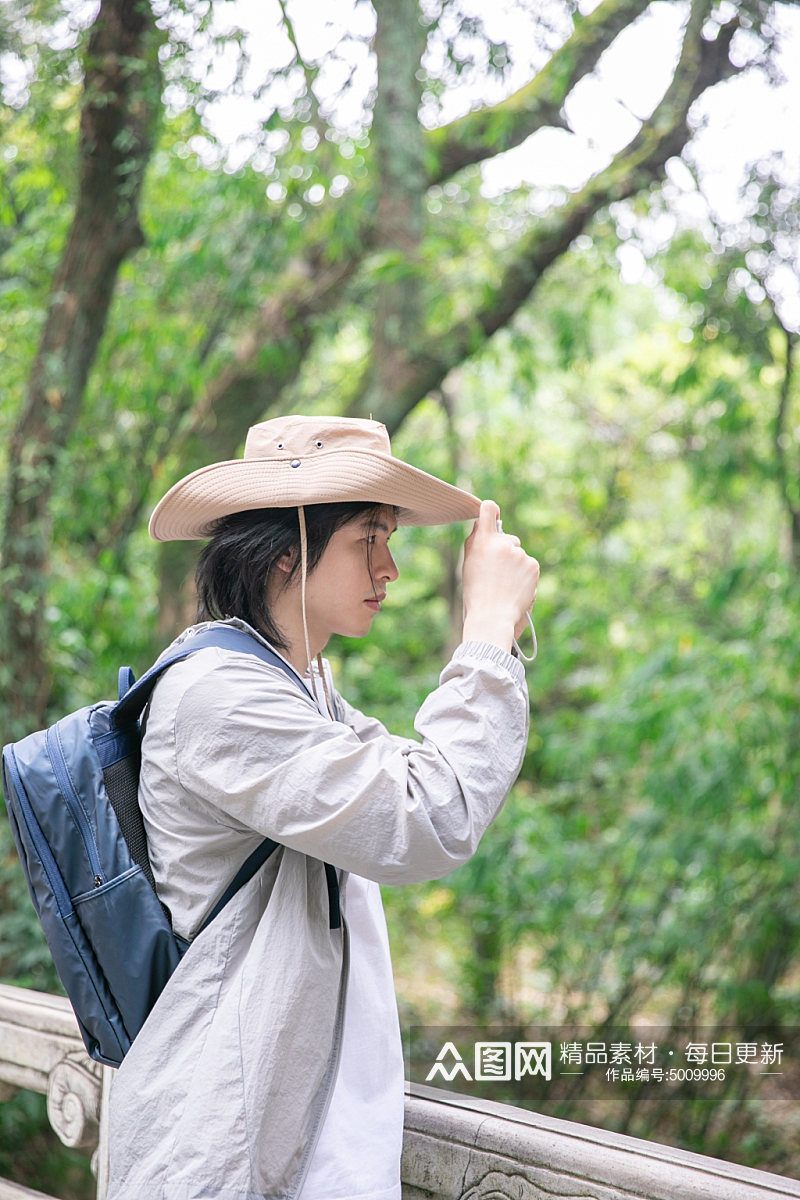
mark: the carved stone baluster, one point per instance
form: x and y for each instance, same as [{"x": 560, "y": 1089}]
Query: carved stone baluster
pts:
[{"x": 73, "y": 1101}]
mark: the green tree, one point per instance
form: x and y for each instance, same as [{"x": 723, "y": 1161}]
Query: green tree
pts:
[
  {"x": 119, "y": 107},
  {"x": 351, "y": 232}
]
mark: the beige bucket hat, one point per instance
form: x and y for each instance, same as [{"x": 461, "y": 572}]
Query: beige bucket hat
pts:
[{"x": 292, "y": 461}]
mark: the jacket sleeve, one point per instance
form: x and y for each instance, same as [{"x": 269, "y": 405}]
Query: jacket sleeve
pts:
[{"x": 389, "y": 809}]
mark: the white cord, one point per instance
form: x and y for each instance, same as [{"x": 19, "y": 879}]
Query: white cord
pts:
[{"x": 528, "y": 657}]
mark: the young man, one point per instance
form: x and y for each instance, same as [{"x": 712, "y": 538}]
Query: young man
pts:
[{"x": 271, "y": 1065}]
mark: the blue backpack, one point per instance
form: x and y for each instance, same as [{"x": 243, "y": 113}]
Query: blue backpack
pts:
[{"x": 72, "y": 798}]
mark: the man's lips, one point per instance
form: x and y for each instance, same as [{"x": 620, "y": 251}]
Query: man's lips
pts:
[{"x": 375, "y": 602}]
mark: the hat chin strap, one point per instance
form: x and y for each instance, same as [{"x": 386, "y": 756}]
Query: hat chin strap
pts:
[{"x": 301, "y": 516}]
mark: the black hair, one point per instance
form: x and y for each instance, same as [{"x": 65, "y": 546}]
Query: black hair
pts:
[{"x": 233, "y": 569}]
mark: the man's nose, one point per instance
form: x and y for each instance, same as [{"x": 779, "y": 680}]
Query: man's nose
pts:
[{"x": 388, "y": 567}]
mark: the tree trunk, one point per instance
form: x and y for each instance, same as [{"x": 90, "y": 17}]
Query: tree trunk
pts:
[
  {"x": 120, "y": 106},
  {"x": 401, "y": 183}
]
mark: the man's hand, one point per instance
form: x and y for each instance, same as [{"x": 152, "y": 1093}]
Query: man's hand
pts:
[{"x": 499, "y": 582}]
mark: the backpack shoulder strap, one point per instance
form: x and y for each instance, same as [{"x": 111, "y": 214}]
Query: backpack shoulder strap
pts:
[
  {"x": 225, "y": 637},
  {"x": 130, "y": 706},
  {"x": 245, "y": 873}
]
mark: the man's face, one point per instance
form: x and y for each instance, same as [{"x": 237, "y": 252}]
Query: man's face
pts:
[{"x": 345, "y": 590}]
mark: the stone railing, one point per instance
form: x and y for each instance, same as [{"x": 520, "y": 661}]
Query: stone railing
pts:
[
  {"x": 41, "y": 1050},
  {"x": 460, "y": 1148},
  {"x": 456, "y": 1147}
]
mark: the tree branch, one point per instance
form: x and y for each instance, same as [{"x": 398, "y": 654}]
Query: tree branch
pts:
[
  {"x": 783, "y": 468},
  {"x": 637, "y": 166},
  {"x": 309, "y": 73},
  {"x": 444, "y": 151},
  {"x": 491, "y": 130}
]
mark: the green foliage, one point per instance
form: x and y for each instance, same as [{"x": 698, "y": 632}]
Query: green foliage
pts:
[
  {"x": 31, "y": 1154},
  {"x": 645, "y": 863},
  {"x": 24, "y": 957}
]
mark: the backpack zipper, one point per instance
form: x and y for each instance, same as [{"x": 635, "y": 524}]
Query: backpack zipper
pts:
[
  {"x": 40, "y": 843},
  {"x": 56, "y": 755}
]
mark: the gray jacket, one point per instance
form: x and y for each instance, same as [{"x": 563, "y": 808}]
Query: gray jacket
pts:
[{"x": 223, "y": 1092}]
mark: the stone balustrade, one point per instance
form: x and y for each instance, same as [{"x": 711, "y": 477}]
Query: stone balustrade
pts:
[
  {"x": 460, "y": 1148},
  {"x": 41, "y": 1050},
  {"x": 456, "y": 1147}
]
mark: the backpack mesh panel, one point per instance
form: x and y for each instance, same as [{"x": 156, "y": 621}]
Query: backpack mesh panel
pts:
[{"x": 122, "y": 784}]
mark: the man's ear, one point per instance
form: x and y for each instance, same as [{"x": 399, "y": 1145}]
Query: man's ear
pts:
[{"x": 287, "y": 561}]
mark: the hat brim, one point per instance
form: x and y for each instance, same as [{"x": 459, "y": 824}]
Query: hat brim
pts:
[{"x": 193, "y": 504}]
